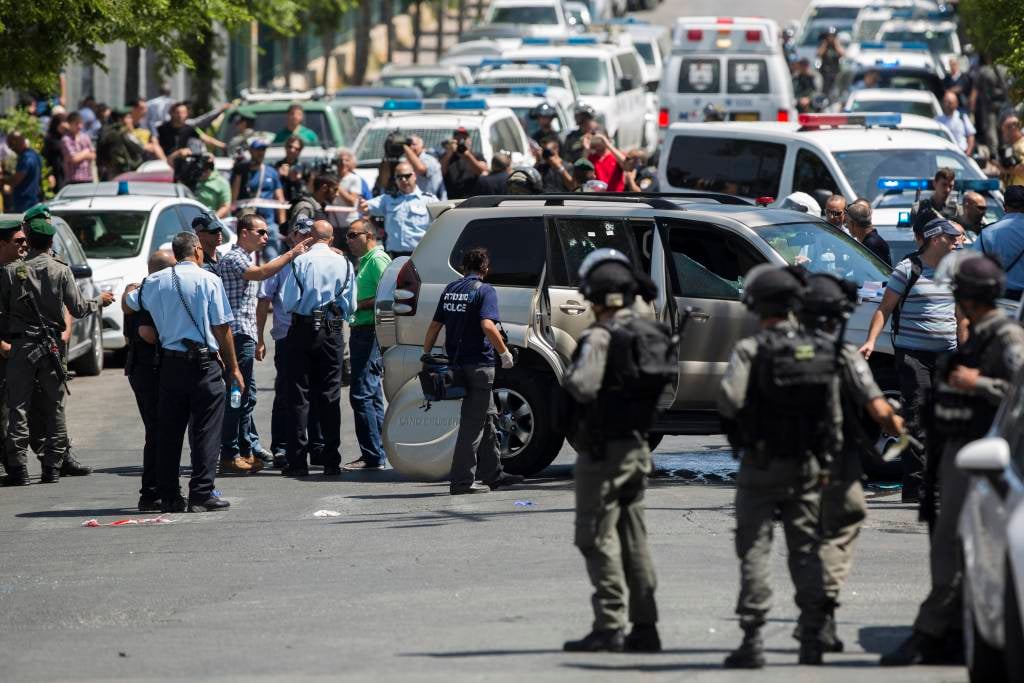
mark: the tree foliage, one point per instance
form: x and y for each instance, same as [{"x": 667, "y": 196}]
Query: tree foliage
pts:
[
  {"x": 38, "y": 38},
  {"x": 996, "y": 28}
]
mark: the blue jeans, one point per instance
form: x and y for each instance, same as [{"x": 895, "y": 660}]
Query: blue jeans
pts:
[
  {"x": 365, "y": 394},
  {"x": 237, "y": 420}
]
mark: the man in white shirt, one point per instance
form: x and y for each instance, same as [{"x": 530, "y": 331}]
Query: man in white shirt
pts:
[{"x": 957, "y": 122}]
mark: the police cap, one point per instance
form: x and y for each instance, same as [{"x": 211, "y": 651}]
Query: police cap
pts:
[
  {"x": 828, "y": 296},
  {"x": 774, "y": 291},
  {"x": 205, "y": 222},
  {"x": 543, "y": 109}
]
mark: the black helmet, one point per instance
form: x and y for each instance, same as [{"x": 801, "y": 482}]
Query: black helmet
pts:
[
  {"x": 543, "y": 109},
  {"x": 828, "y": 297},
  {"x": 774, "y": 291},
  {"x": 585, "y": 110},
  {"x": 607, "y": 277},
  {"x": 524, "y": 180},
  {"x": 974, "y": 276}
]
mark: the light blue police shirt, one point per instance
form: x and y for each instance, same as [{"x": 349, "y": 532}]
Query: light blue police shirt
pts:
[
  {"x": 406, "y": 218},
  {"x": 271, "y": 289},
  {"x": 202, "y": 291},
  {"x": 1005, "y": 239},
  {"x": 325, "y": 277}
]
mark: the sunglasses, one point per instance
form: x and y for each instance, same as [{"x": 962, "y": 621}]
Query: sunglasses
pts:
[
  {"x": 262, "y": 233},
  {"x": 404, "y": 176},
  {"x": 834, "y": 214},
  {"x": 353, "y": 235},
  {"x": 20, "y": 240}
]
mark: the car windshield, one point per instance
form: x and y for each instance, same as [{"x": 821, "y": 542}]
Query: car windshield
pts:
[
  {"x": 847, "y": 13},
  {"x": 108, "y": 234},
  {"x": 863, "y": 168},
  {"x": 867, "y": 30},
  {"x": 543, "y": 14},
  {"x": 371, "y": 148},
  {"x": 909, "y": 79},
  {"x": 430, "y": 86},
  {"x": 821, "y": 248},
  {"x": 905, "y": 200},
  {"x": 591, "y": 75},
  {"x": 899, "y": 106},
  {"x": 273, "y": 122},
  {"x": 816, "y": 31},
  {"x": 938, "y": 41}
]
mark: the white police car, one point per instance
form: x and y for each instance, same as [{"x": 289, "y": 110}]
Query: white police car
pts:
[
  {"x": 543, "y": 17},
  {"x": 733, "y": 63},
  {"x": 822, "y": 154},
  {"x": 897, "y": 100},
  {"x": 551, "y": 72},
  {"x": 935, "y": 31},
  {"x": 897, "y": 195},
  {"x": 490, "y": 130},
  {"x": 433, "y": 80},
  {"x": 898, "y": 65},
  {"x": 609, "y": 77},
  {"x": 523, "y": 99}
]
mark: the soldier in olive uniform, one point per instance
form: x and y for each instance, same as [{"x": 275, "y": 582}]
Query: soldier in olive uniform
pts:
[
  {"x": 33, "y": 295},
  {"x": 780, "y": 409},
  {"x": 969, "y": 387},
  {"x": 612, "y": 467},
  {"x": 12, "y": 247},
  {"x": 829, "y": 301}
]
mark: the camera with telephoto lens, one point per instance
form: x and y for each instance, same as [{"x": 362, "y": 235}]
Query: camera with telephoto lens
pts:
[
  {"x": 324, "y": 165},
  {"x": 394, "y": 146},
  {"x": 188, "y": 170},
  {"x": 1008, "y": 157}
]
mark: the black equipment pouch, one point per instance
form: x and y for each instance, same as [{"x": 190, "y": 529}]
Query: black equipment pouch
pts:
[
  {"x": 199, "y": 354},
  {"x": 438, "y": 380}
]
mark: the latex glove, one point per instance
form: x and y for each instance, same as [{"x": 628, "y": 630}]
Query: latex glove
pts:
[{"x": 506, "y": 360}]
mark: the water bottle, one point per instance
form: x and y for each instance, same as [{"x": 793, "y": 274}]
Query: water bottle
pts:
[
  {"x": 829, "y": 259},
  {"x": 236, "y": 395}
]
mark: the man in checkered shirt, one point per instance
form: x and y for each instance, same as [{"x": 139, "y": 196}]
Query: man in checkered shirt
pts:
[{"x": 241, "y": 277}]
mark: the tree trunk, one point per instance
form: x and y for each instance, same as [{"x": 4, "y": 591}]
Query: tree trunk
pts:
[
  {"x": 441, "y": 15},
  {"x": 479, "y": 11},
  {"x": 286, "y": 62},
  {"x": 132, "y": 81},
  {"x": 462, "y": 16},
  {"x": 417, "y": 30},
  {"x": 205, "y": 74},
  {"x": 362, "y": 52},
  {"x": 387, "y": 18},
  {"x": 326, "y": 44}
]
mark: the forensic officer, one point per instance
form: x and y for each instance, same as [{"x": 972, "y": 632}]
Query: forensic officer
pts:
[
  {"x": 828, "y": 303},
  {"x": 969, "y": 386},
  {"x": 319, "y": 295},
  {"x": 468, "y": 313},
  {"x": 405, "y": 214},
  {"x": 612, "y": 467},
  {"x": 33, "y": 296},
  {"x": 192, "y": 316},
  {"x": 780, "y": 409},
  {"x": 142, "y": 367}
]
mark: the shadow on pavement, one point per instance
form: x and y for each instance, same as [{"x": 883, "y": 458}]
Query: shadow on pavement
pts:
[
  {"x": 441, "y": 517},
  {"x": 478, "y": 653},
  {"x": 882, "y": 639},
  {"x": 80, "y": 513}
]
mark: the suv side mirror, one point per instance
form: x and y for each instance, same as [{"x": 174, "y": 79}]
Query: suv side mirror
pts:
[
  {"x": 81, "y": 270},
  {"x": 626, "y": 83},
  {"x": 987, "y": 458}
]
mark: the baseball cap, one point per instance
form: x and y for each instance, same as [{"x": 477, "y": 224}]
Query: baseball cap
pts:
[
  {"x": 303, "y": 225},
  {"x": 934, "y": 227},
  {"x": 258, "y": 143},
  {"x": 583, "y": 164},
  {"x": 1013, "y": 198},
  {"x": 461, "y": 130},
  {"x": 204, "y": 222}
]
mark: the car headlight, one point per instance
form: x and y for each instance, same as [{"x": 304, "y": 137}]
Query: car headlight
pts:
[{"x": 113, "y": 285}]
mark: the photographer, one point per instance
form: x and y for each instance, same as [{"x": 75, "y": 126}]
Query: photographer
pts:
[
  {"x": 1011, "y": 154},
  {"x": 312, "y": 206},
  {"x": 586, "y": 123},
  {"x": 556, "y": 178},
  {"x": 405, "y": 214},
  {"x": 830, "y": 54},
  {"x": 459, "y": 165},
  {"x": 294, "y": 174},
  {"x": 257, "y": 180},
  {"x": 351, "y": 189},
  {"x": 213, "y": 189},
  {"x": 544, "y": 114},
  {"x": 244, "y": 132}
]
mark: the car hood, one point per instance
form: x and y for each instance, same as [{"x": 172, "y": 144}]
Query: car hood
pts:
[{"x": 129, "y": 269}]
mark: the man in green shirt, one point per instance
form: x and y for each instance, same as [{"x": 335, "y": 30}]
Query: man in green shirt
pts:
[
  {"x": 293, "y": 126},
  {"x": 365, "y": 394},
  {"x": 213, "y": 191}
]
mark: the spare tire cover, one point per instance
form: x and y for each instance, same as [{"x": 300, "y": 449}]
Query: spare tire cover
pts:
[{"x": 419, "y": 443}]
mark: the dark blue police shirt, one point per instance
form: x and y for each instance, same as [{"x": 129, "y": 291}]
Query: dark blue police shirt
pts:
[{"x": 460, "y": 308}]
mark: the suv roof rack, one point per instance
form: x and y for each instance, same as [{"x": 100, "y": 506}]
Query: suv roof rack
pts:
[{"x": 655, "y": 200}]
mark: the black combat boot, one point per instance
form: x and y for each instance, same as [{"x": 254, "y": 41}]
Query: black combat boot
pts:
[
  {"x": 811, "y": 650},
  {"x": 643, "y": 638},
  {"x": 750, "y": 653},
  {"x": 16, "y": 476},
  {"x": 72, "y": 468},
  {"x": 611, "y": 640},
  {"x": 919, "y": 648},
  {"x": 829, "y": 633},
  {"x": 51, "y": 475}
]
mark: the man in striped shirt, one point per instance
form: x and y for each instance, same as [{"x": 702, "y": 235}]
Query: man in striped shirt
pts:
[{"x": 925, "y": 325}]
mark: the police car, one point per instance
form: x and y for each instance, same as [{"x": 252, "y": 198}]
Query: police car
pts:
[
  {"x": 733, "y": 63},
  {"x": 821, "y": 154},
  {"x": 939, "y": 35},
  {"x": 118, "y": 231},
  {"x": 432, "y": 80},
  {"x": 522, "y": 99},
  {"x": 898, "y": 65},
  {"x": 899, "y": 100},
  {"x": 498, "y": 71},
  {"x": 543, "y": 17},
  {"x": 490, "y": 130},
  {"x": 609, "y": 77}
]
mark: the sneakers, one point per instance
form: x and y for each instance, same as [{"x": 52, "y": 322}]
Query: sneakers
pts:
[
  {"x": 611, "y": 640},
  {"x": 505, "y": 480},
  {"x": 361, "y": 465},
  {"x": 750, "y": 653},
  {"x": 919, "y": 648},
  {"x": 237, "y": 465},
  {"x": 72, "y": 468},
  {"x": 469, "y": 489},
  {"x": 643, "y": 638}
]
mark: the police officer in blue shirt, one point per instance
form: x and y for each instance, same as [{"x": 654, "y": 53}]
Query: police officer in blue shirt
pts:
[
  {"x": 468, "y": 313},
  {"x": 192, "y": 316},
  {"x": 1004, "y": 239},
  {"x": 406, "y": 218},
  {"x": 319, "y": 295}
]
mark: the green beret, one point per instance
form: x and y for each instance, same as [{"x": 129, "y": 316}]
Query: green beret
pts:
[
  {"x": 41, "y": 226},
  {"x": 10, "y": 225},
  {"x": 37, "y": 211}
]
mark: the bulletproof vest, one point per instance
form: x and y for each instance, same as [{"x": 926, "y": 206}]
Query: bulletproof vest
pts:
[
  {"x": 790, "y": 398},
  {"x": 957, "y": 413},
  {"x": 642, "y": 364}
]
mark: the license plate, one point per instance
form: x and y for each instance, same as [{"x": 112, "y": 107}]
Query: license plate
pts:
[{"x": 746, "y": 116}]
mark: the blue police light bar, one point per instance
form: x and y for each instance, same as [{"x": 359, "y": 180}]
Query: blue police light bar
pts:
[
  {"x": 887, "y": 63},
  {"x": 470, "y": 90},
  {"x": 899, "y": 184},
  {"x": 902, "y": 13},
  {"x": 493, "y": 61},
  {"x": 626, "y": 20},
  {"x": 536, "y": 40},
  {"x": 583, "y": 40},
  {"x": 402, "y": 105},
  {"x": 903, "y": 220},
  {"x": 811, "y": 121},
  {"x": 987, "y": 185},
  {"x": 465, "y": 104},
  {"x": 909, "y": 45}
]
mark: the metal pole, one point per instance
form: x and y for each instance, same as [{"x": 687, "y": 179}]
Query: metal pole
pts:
[
  {"x": 442, "y": 14},
  {"x": 462, "y": 16},
  {"x": 254, "y": 54},
  {"x": 417, "y": 29},
  {"x": 387, "y": 14}
]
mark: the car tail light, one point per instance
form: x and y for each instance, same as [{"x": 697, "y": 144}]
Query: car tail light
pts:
[
  {"x": 753, "y": 36},
  {"x": 782, "y": 115},
  {"x": 663, "y": 118},
  {"x": 407, "y": 290},
  {"x": 695, "y": 34}
]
